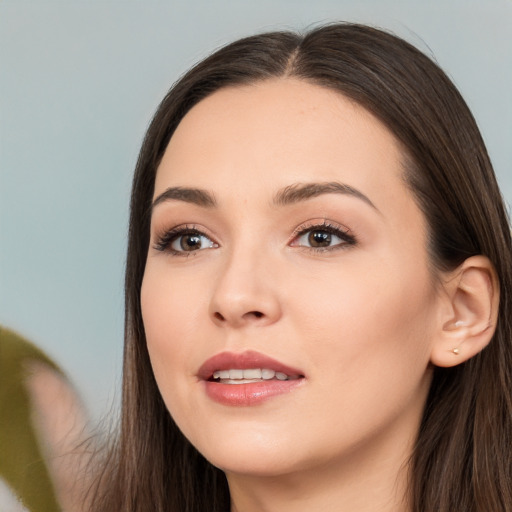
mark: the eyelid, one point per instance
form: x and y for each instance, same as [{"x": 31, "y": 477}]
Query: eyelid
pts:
[
  {"x": 165, "y": 237},
  {"x": 335, "y": 228}
]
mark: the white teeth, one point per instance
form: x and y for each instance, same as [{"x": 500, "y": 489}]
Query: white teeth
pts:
[
  {"x": 236, "y": 374},
  {"x": 250, "y": 374},
  {"x": 253, "y": 373},
  {"x": 267, "y": 374}
]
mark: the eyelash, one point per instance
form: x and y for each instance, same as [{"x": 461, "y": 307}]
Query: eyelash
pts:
[
  {"x": 347, "y": 239},
  {"x": 164, "y": 241}
]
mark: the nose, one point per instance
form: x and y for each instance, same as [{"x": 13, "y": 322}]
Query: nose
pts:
[{"x": 246, "y": 293}]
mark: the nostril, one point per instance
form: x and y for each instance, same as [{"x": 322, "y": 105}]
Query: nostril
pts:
[
  {"x": 245, "y": 317},
  {"x": 218, "y": 316}
]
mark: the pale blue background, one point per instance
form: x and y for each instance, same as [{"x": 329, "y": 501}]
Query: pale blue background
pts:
[{"x": 79, "y": 81}]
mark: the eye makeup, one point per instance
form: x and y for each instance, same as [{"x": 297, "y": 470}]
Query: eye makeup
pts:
[
  {"x": 183, "y": 240},
  {"x": 315, "y": 236},
  {"x": 322, "y": 236}
]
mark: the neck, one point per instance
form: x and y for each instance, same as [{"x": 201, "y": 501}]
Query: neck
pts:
[{"x": 326, "y": 489}]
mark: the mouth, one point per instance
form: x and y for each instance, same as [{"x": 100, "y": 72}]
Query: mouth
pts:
[
  {"x": 232, "y": 368},
  {"x": 248, "y": 378}
]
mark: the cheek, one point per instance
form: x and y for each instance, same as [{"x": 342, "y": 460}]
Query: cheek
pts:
[
  {"x": 368, "y": 343},
  {"x": 370, "y": 324},
  {"x": 169, "y": 324},
  {"x": 170, "y": 303},
  {"x": 170, "y": 320}
]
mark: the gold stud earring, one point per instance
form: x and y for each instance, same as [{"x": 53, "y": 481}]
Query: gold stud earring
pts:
[{"x": 455, "y": 351}]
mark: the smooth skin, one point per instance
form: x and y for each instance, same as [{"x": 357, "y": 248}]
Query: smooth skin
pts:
[{"x": 363, "y": 316}]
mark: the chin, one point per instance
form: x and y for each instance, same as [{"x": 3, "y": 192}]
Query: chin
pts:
[
  {"x": 257, "y": 466},
  {"x": 270, "y": 464},
  {"x": 255, "y": 455}
]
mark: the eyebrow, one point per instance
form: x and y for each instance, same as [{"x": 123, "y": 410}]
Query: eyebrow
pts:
[
  {"x": 188, "y": 195},
  {"x": 289, "y": 195},
  {"x": 302, "y": 191}
]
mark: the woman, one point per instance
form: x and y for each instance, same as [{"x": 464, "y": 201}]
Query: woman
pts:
[{"x": 318, "y": 279}]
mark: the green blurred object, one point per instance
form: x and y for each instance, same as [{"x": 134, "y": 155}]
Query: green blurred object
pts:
[{"x": 22, "y": 465}]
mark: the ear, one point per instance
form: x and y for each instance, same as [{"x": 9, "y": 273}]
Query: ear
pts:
[{"x": 469, "y": 312}]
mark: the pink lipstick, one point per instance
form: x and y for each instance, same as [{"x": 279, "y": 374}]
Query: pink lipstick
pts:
[{"x": 247, "y": 379}]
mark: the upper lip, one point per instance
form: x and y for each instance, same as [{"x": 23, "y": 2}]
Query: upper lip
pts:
[{"x": 243, "y": 361}]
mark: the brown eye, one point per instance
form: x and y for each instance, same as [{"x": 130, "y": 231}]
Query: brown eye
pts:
[
  {"x": 323, "y": 237},
  {"x": 319, "y": 238},
  {"x": 189, "y": 242}
]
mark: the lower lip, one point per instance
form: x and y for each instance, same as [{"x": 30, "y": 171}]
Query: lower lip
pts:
[{"x": 249, "y": 394}]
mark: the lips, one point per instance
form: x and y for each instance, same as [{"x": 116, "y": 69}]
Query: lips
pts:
[
  {"x": 244, "y": 361},
  {"x": 246, "y": 379}
]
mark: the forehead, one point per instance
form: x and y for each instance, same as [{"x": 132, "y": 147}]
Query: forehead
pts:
[{"x": 279, "y": 131}]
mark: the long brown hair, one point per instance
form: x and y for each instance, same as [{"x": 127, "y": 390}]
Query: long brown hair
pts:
[{"x": 463, "y": 456}]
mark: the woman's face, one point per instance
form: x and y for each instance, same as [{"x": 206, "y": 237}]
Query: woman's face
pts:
[{"x": 285, "y": 242}]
